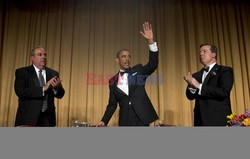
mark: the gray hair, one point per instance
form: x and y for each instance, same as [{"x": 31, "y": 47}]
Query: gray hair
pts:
[{"x": 33, "y": 50}]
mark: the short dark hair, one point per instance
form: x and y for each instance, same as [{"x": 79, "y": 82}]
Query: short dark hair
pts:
[
  {"x": 119, "y": 52},
  {"x": 213, "y": 48},
  {"x": 33, "y": 50}
]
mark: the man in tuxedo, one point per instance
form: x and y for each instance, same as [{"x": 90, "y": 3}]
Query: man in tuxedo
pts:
[
  {"x": 210, "y": 87},
  {"x": 127, "y": 87},
  {"x": 36, "y": 86}
]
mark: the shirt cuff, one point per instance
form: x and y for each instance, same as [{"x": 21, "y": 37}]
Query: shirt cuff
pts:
[
  {"x": 43, "y": 91},
  {"x": 192, "y": 90},
  {"x": 200, "y": 89},
  {"x": 55, "y": 91},
  {"x": 153, "y": 47}
]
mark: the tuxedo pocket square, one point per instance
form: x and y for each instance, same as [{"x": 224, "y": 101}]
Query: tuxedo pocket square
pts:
[{"x": 134, "y": 73}]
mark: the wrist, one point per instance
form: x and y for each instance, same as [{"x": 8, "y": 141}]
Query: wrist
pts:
[
  {"x": 45, "y": 88},
  {"x": 197, "y": 85},
  {"x": 150, "y": 41}
]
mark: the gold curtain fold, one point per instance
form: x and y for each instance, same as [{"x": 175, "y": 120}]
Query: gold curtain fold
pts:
[{"x": 83, "y": 36}]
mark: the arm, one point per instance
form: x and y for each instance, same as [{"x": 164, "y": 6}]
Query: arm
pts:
[
  {"x": 190, "y": 95},
  {"x": 111, "y": 107},
  {"x": 56, "y": 84},
  {"x": 191, "y": 91},
  {"x": 60, "y": 92},
  {"x": 152, "y": 65}
]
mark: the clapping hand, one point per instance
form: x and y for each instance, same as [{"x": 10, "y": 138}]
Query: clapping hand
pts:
[{"x": 192, "y": 82}]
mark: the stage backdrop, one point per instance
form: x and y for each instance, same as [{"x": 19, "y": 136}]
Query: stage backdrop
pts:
[{"x": 83, "y": 36}]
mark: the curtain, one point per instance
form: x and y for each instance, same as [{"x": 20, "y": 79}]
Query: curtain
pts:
[{"x": 82, "y": 37}]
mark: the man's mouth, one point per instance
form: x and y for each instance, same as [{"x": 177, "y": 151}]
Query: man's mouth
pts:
[{"x": 127, "y": 63}]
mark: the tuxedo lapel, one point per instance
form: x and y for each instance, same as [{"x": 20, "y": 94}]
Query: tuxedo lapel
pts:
[
  {"x": 132, "y": 82},
  {"x": 198, "y": 76},
  {"x": 133, "y": 78},
  {"x": 211, "y": 73}
]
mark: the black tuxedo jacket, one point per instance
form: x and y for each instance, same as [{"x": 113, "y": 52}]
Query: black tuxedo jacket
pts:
[
  {"x": 137, "y": 94},
  {"x": 30, "y": 96},
  {"x": 213, "y": 105}
]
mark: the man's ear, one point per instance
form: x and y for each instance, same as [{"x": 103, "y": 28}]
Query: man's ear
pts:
[
  {"x": 214, "y": 54},
  {"x": 117, "y": 60},
  {"x": 32, "y": 58}
]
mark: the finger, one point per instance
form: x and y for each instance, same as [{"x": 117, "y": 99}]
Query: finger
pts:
[
  {"x": 52, "y": 79},
  {"x": 53, "y": 83},
  {"x": 185, "y": 78},
  {"x": 48, "y": 84},
  {"x": 147, "y": 26},
  {"x": 142, "y": 33},
  {"x": 56, "y": 80},
  {"x": 150, "y": 27},
  {"x": 143, "y": 26}
]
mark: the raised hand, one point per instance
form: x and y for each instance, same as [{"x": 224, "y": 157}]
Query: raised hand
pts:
[{"x": 148, "y": 32}]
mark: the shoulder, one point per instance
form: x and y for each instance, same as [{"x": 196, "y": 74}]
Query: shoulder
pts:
[
  {"x": 223, "y": 68},
  {"x": 226, "y": 68},
  {"x": 196, "y": 73},
  {"x": 51, "y": 70},
  {"x": 137, "y": 67},
  {"x": 114, "y": 77},
  {"x": 23, "y": 69},
  {"x": 113, "y": 80}
]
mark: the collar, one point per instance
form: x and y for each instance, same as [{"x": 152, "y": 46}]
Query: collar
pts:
[{"x": 210, "y": 66}]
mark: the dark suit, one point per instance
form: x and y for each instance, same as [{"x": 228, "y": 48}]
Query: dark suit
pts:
[
  {"x": 31, "y": 97},
  {"x": 137, "y": 100},
  {"x": 213, "y": 105}
]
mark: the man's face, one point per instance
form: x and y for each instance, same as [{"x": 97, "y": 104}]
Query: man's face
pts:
[
  {"x": 206, "y": 55},
  {"x": 124, "y": 60},
  {"x": 39, "y": 59}
]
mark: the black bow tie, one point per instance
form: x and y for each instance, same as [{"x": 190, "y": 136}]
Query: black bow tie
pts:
[
  {"x": 122, "y": 73},
  {"x": 205, "y": 69},
  {"x": 126, "y": 71}
]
